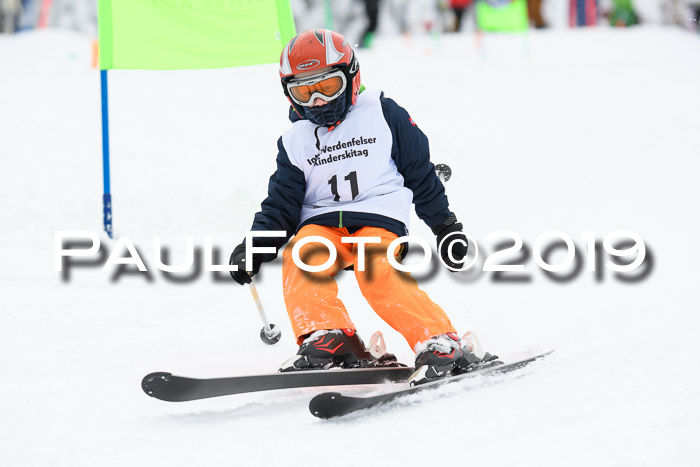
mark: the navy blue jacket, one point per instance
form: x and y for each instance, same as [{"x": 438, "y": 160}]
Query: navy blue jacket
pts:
[{"x": 282, "y": 208}]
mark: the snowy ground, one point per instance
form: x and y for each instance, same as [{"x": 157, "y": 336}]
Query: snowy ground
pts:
[{"x": 567, "y": 130}]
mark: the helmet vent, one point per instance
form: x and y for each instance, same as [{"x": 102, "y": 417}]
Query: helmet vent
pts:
[
  {"x": 292, "y": 42},
  {"x": 332, "y": 54}
]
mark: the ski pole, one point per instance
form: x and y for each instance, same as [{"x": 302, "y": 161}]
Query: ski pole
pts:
[{"x": 269, "y": 334}]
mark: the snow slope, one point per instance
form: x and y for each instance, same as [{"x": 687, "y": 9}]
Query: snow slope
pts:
[{"x": 565, "y": 130}]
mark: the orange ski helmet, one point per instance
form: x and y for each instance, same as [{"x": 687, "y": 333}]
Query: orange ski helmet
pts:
[{"x": 316, "y": 49}]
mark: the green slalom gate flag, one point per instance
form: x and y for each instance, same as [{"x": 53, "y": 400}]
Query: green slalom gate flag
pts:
[
  {"x": 502, "y": 15},
  {"x": 191, "y": 34}
]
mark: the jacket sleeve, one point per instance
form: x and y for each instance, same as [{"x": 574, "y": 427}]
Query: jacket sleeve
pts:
[
  {"x": 411, "y": 154},
  {"x": 281, "y": 209}
]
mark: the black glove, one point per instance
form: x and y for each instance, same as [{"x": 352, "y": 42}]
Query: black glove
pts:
[
  {"x": 238, "y": 258},
  {"x": 457, "y": 242}
]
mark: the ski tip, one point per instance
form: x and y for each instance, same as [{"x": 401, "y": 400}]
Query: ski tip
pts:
[
  {"x": 152, "y": 381},
  {"x": 322, "y": 404}
]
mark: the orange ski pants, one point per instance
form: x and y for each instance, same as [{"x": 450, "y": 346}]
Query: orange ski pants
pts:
[{"x": 312, "y": 297}]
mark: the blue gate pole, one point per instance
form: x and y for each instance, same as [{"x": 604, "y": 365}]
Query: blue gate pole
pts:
[
  {"x": 581, "y": 10},
  {"x": 107, "y": 196}
]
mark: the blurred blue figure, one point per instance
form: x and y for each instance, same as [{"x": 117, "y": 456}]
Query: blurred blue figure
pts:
[{"x": 29, "y": 16}]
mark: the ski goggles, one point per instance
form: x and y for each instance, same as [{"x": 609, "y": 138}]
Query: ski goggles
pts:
[{"x": 326, "y": 86}]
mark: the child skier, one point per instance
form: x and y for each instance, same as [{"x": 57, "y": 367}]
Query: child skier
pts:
[{"x": 350, "y": 167}]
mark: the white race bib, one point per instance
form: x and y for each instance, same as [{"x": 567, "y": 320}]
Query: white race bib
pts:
[{"x": 353, "y": 169}]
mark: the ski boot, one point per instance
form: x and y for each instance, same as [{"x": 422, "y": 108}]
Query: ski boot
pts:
[
  {"x": 447, "y": 355},
  {"x": 339, "y": 348}
]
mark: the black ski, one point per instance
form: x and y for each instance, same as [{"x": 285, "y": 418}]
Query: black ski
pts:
[
  {"x": 168, "y": 387},
  {"x": 334, "y": 404}
]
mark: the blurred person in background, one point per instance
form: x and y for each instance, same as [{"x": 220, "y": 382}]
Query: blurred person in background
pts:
[
  {"x": 622, "y": 14},
  {"x": 684, "y": 13},
  {"x": 399, "y": 11},
  {"x": 10, "y": 11},
  {"x": 694, "y": 20},
  {"x": 372, "y": 11},
  {"x": 459, "y": 7},
  {"x": 534, "y": 11}
]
